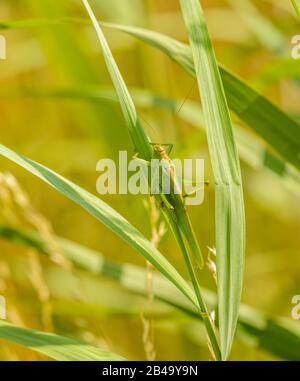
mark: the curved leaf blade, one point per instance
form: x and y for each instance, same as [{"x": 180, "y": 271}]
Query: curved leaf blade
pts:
[{"x": 54, "y": 346}]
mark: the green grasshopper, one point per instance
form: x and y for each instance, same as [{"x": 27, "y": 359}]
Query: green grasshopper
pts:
[{"x": 172, "y": 204}]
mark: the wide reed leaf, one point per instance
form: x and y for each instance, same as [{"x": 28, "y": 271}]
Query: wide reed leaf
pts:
[
  {"x": 230, "y": 219},
  {"x": 54, "y": 346}
]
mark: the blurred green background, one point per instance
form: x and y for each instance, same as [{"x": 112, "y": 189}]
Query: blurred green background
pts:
[{"x": 71, "y": 135}]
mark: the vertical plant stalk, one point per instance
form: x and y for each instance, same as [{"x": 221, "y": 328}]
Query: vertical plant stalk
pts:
[
  {"x": 157, "y": 232},
  {"x": 230, "y": 219},
  {"x": 209, "y": 325}
]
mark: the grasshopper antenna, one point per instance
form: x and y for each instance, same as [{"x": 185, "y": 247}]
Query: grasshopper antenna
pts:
[
  {"x": 153, "y": 130},
  {"x": 187, "y": 96}
]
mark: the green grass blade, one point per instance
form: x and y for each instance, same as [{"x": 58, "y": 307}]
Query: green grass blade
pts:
[
  {"x": 296, "y": 8},
  {"x": 137, "y": 133},
  {"x": 280, "y": 337},
  {"x": 104, "y": 213},
  {"x": 267, "y": 120},
  {"x": 54, "y": 346},
  {"x": 230, "y": 219}
]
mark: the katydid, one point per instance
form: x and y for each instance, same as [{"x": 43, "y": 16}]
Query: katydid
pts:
[{"x": 172, "y": 203}]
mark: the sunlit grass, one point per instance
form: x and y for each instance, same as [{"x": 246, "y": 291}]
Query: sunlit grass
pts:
[{"x": 65, "y": 97}]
